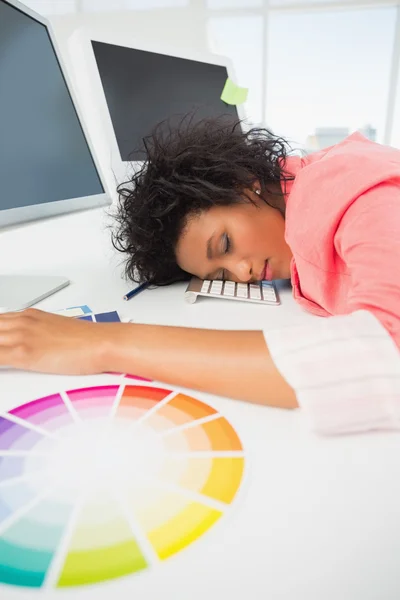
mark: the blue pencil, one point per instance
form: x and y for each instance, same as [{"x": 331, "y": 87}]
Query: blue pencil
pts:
[{"x": 136, "y": 291}]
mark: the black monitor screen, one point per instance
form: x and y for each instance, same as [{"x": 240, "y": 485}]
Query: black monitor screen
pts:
[
  {"x": 143, "y": 89},
  {"x": 44, "y": 156}
]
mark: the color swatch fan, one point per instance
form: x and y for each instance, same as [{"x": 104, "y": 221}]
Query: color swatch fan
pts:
[{"x": 102, "y": 482}]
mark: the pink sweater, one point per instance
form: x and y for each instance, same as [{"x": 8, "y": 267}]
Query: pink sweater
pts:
[{"x": 343, "y": 227}]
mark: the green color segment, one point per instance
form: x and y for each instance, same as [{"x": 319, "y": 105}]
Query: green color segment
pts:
[
  {"x": 93, "y": 566},
  {"x": 233, "y": 94}
]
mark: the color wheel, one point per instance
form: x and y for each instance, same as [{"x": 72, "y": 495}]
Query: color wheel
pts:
[{"x": 101, "y": 482}]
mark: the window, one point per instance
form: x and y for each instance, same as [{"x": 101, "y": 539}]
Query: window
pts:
[
  {"x": 328, "y": 73},
  {"x": 229, "y": 4}
]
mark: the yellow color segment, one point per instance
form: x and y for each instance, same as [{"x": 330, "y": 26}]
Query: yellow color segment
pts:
[
  {"x": 153, "y": 507},
  {"x": 190, "y": 473},
  {"x": 218, "y": 478},
  {"x": 183, "y": 529},
  {"x": 225, "y": 477},
  {"x": 101, "y": 564}
]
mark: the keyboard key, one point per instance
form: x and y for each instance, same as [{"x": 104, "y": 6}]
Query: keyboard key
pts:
[
  {"x": 269, "y": 296},
  {"x": 241, "y": 290},
  {"x": 229, "y": 288},
  {"x": 216, "y": 287},
  {"x": 230, "y": 284},
  {"x": 205, "y": 286},
  {"x": 263, "y": 292},
  {"x": 255, "y": 292}
]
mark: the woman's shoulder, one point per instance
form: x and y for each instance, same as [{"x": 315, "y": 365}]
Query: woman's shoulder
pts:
[
  {"x": 327, "y": 185},
  {"x": 336, "y": 176},
  {"x": 355, "y": 149}
]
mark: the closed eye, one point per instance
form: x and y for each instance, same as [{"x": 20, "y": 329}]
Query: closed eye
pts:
[
  {"x": 226, "y": 243},
  {"x": 225, "y": 249}
]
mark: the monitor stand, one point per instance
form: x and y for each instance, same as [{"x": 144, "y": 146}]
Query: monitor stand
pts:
[{"x": 20, "y": 291}]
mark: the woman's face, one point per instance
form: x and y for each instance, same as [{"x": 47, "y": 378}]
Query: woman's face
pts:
[{"x": 241, "y": 242}]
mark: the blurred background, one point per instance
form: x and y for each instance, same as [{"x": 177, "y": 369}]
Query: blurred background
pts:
[{"x": 316, "y": 70}]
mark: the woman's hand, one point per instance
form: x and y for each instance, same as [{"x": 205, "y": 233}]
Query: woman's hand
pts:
[
  {"x": 39, "y": 341},
  {"x": 236, "y": 364}
]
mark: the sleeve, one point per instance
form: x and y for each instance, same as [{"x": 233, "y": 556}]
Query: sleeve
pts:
[
  {"x": 345, "y": 369},
  {"x": 368, "y": 241}
]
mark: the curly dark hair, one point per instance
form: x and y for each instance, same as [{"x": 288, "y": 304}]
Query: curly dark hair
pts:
[{"x": 188, "y": 169}]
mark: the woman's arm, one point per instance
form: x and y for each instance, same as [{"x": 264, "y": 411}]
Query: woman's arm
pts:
[
  {"x": 229, "y": 363},
  {"x": 236, "y": 364}
]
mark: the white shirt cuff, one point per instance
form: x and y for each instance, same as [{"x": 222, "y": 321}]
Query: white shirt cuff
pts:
[{"x": 345, "y": 371}]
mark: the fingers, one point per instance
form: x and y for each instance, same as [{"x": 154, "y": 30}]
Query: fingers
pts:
[
  {"x": 23, "y": 315},
  {"x": 13, "y": 322},
  {"x": 13, "y": 348},
  {"x": 8, "y": 315},
  {"x": 13, "y": 335},
  {"x": 18, "y": 338},
  {"x": 11, "y": 357},
  {"x": 12, "y": 332}
]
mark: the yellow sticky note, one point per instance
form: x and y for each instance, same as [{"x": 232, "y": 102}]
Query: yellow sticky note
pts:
[{"x": 233, "y": 94}]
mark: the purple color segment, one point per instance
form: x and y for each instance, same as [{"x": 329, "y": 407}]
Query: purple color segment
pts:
[
  {"x": 15, "y": 466},
  {"x": 11, "y": 466},
  {"x": 45, "y": 412},
  {"x": 16, "y": 437},
  {"x": 54, "y": 420},
  {"x": 36, "y": 406}
]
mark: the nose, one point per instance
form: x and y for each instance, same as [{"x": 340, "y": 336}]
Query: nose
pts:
[{"x": 241, "y": 269}]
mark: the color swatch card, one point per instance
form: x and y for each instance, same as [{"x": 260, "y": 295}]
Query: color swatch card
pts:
[
  {"x": 86, "y": 314},
  {"x": 75, "y": 311},
  {"x": 107, "y": 481},
  {"x": 107, "y": 317}
]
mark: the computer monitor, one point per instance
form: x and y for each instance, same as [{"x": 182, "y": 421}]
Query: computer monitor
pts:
[
  {"x": 47, "y": 162},
  {"x": 144, "y": 88},
  {"x": 128, "y": 86}
]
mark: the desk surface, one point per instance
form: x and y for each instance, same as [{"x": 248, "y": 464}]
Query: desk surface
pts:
[{"x": 318, "y": 518}]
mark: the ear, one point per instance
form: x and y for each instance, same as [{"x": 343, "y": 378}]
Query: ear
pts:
[{"x": 256, "y": 188}]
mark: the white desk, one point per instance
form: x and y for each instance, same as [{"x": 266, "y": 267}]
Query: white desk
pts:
[{"x": 317, "y": 519}]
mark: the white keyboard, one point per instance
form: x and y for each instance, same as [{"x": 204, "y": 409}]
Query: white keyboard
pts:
[{"x": 264, "y": 292}]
